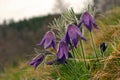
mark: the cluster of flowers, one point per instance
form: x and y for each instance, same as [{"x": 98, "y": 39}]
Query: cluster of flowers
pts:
[{"x": 71, "y": 38}]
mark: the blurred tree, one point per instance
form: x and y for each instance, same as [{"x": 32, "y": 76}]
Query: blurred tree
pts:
[
  {"x": 4, "y": 23},
  {"x": 11, "y": 21}
]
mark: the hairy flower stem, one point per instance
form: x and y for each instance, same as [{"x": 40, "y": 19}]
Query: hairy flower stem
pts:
[
  {"x": 83, "y": 52},
  {"x": 74, "y": 56},
  {"x": 93, "y": 45},
  {"x": 81, "y": 43},
  {"x": 82, "y": 49},
  {"x": 75, "y": 62}
]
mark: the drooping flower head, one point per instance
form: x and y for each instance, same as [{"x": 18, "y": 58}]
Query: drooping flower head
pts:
[
  {"x": 88, "y": 21},
  {"x": 37, "y": 60},
  {"x": 72, "y": 35},
  {"x": 62, "y": 52},
  {"x": 48, "y": 40}
]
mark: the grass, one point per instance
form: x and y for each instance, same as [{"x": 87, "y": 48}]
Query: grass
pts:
[
  {"x": 26, "y": 72},
  {"x": 108, "y": 69}
]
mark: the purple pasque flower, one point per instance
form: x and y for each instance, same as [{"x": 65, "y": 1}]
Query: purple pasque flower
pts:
[
  {"x": 88, "y": 21},
  {"x": 37, "y": 60},
  {"x": 72, "y": 35},
  {"x": 62, "y": 52},
  {"x": 48, "y": 40}
]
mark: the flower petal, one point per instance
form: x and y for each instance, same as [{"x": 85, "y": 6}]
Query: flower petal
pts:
[
  {"x": 80, "y": 34},
  {"x": 37, "y": 60},
  {"x": 48, "y": 40},
  {"x": 47, "y": 43},
  {"x": 62, "y": 60},
  {"x": 54, "y": 44},
  {"x": 88, "y": 21},
  {"x": 75, "y": 41},
  {"x": 66, "y": 38},
  {"x": 61, "y": 53},
  {"x": 42, "y": 42},
  {"x": 36, "y": 64},
  {"x": 95, "y": 25}
]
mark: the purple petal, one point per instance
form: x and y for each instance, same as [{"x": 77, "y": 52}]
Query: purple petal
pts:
[
  {"x": 62, "y": 60},
  {"x": 36, "y": 64},
  {"x": 89, "y": 27},
  {"x": 47, "y": 43},
  {"x": 73, "y": 32},
  {"x": 37, "y": 60},
  {"x": 87, "y": 20},
  {"x": 93, "y": 22},
  {"x": 32, "y": 62},
  {"x": 48, "y": 40},
  {"x": 42, "y": 42},
  {"x": 66, "y": 38},
  {"x": 75, "y": 41},
  {"x": 95, "y": 25},
  {"x": 64, "y": 50},
  {"x": 61, "y": 53},
  {"x": 80, "y": 34},
  {"x": 54, "y": 44},
  {"x": 73, "y": 35}
]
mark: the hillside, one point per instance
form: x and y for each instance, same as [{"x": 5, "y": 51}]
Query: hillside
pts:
[
  {"x": 18, "y": 39},
  {"x": 109, "y": 32}
]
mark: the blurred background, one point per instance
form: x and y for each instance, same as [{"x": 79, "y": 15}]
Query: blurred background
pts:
[{"x": 24, "y": 22}]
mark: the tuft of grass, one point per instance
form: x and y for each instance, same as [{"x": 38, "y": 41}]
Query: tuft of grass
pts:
[
  {"x": 25, "y": 72},
  {"x": 111, "y": 69}
]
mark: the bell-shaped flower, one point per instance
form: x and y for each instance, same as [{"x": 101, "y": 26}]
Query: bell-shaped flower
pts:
[
  {"x": 88, "y": 21},
  {"x": 37, "y": 60},
  {"x": 62, "y": 52},
  {"x": 48, "y": 40},
  {"x": 72, "y": 35}
]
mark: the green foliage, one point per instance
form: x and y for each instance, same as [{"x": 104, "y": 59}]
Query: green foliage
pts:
[
  {"x": 70, "y": 71},
  {"x": 31, "y": 24}
]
